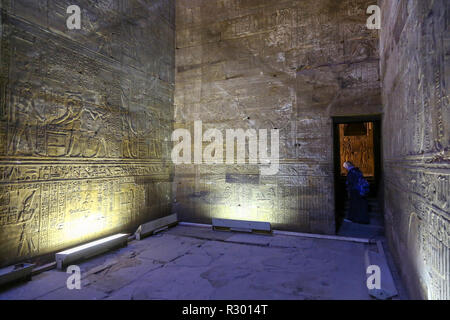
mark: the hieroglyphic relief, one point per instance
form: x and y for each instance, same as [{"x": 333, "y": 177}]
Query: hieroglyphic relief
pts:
[
  {"x": 238, "y": 200},
  {"x": 19, "y": 214},
  {"x": 39, "y": 218},
  {"x": 10, "y": 173},
  {"x": 73, "y": 128},
  {"x": 436, "y": 249},
  {"x": 142, "y": 126},
  {"x": 433, "y": 187},
  {"x": 269, "y": 64},
  {"x": 426, "y": 229},
  {"x": 359, "y": 150},
  {"x": 79, "y": 159},
  {"x": 417, "y": 170}
]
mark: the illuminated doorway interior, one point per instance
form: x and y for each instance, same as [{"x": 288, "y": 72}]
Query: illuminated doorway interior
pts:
[
  {"x": 357, "y": 145},
  {"x": 356, "y": 139}
]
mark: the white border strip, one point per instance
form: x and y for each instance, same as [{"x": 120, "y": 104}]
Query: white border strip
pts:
[
  {"x": 293, "y": 234},
  {"x": 199, "y": 225},
  {"x": 321, "y": 236}
]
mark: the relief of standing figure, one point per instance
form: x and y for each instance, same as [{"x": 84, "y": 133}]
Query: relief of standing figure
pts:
[{"x": 24, "y": 121}]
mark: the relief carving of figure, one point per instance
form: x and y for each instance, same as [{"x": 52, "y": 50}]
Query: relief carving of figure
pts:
[
  {"x": 70, "y": 123},
  {"x": 24, "y": 121},
  {"x": 138, "y": 126},
  {"x": 18, "y": 210}
]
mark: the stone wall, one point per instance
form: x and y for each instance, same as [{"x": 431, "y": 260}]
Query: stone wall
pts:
[
  {"x": 415, "y": 47},
  {"x": 84, "y": 116},
  {"x": 265, "y": 64}
]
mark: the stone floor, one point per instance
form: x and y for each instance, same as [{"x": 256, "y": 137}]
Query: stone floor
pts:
[
  {"x": 198, "y": 263},
  {"x": 374, "y": 230}
]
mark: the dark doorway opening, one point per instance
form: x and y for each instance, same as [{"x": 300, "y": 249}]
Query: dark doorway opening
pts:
[{"x": 357, "y": 139}]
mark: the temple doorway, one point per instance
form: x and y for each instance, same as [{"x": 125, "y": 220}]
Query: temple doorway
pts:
[{"x": 357, "y": 139}]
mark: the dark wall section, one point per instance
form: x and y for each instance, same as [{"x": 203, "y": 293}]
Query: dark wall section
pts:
[
  {"x": 84, "y": 117},
  {"x": 415, "y": 50},
  {"x": 287, "y": 64}
]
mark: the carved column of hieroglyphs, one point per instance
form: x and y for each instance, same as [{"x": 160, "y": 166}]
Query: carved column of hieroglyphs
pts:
[
  {"x": 85, "y": 116},
  {"x": 415, "y": 62}
]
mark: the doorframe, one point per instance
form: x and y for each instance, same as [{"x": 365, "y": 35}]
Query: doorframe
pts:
[{"x": 377, "y": 121}]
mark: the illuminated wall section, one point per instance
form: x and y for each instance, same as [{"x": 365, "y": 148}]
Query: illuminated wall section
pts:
[
  {"x": 84, "y": 116},
  {"x": 290, "y": 65},
  {"x": 358, "y": 149},
  {"x": 416, "y": 133}
]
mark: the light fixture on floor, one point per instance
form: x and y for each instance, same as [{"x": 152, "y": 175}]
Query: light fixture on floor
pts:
[
  {"x": 90, "y": 249},
  {"x": 155, "y": 226},
  {"x": 241, "y": 226},
  {"x": 15, "y": 273}
]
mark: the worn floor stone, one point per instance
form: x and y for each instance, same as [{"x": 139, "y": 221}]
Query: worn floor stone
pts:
[{"x": 174, "y": 265}]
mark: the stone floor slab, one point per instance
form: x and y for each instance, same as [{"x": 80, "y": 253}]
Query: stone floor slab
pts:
[{"x": 185, "y": 263}]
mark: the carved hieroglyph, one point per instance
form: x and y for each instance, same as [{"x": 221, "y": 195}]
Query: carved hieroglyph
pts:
[
  {"x": 416, "y": 135},
  {"x": 84, "y": 118},
  {"x": 290, "y": 65},
  {"x": 359, "y": 150}
]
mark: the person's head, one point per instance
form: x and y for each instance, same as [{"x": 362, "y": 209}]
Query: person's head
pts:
[{"x": 348, "y": 165}]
